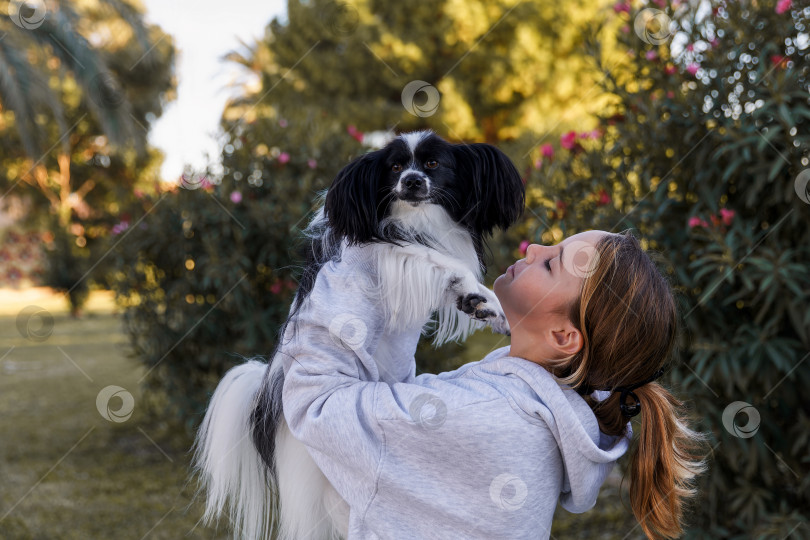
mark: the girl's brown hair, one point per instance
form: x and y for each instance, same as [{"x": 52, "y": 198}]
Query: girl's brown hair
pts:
[{"x": 627, "y": 315}]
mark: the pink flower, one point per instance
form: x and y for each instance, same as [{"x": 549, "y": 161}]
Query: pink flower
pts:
[
  {"x": 275, "y": 288},
  {"x": 604, "y": 198},
  {"x": 283, "y": 157},
  {"x": 282, "y": 123},
  {"x": 236, "y": 197},
  {"x": 625, "y": 29},
  {"x": 524, "y": 246},
  {"x": 690, "y": 47},
  {"x": 695, "y": 221},
  {"x": 120, "y": 227},
  {"x": 547, "y": 150},
  {"x": 538, "y": 163},
  {"x": 354, "y": 132},
  {"x": 593, "y": 134},
  {"x": 621, "y": 7},
  {"x": 661, "y": 3},
  {"x": 312, "y": 163},
  {"x": 568, "y": 141},
  {"x": 670, "y": 70},
  {"x": 670, "y": 94},
  {"x": 714, "y": 42},
  {"x": 727, "y": 215},
  {"x": 693, "y": 68},
  {"x": 782, "y": 6},
  {"x": 651, "y": 55}
]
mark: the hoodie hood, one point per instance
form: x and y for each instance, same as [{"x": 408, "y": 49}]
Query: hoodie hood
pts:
[{"x": 588, "y": 454}]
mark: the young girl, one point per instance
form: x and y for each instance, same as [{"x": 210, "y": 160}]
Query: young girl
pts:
[{"x": 488, "y": 450}]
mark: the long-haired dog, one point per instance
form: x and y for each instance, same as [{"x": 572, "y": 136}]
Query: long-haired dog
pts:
[{"x": 424, "y": 207}]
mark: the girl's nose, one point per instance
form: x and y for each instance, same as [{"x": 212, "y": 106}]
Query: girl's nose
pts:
[{"x": 531, "y": 252}]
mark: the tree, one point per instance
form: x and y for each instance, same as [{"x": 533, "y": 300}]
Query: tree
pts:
[{"x": 79, "y": 82}]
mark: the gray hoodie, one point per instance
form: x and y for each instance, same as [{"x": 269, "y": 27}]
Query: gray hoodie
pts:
[{"x": 484, "y": 451}]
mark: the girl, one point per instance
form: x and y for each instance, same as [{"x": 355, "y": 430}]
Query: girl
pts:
[{"x": 486, "y": 451}]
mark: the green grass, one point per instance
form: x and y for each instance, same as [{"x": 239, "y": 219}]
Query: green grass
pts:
[{"x": 67, "y": 473}]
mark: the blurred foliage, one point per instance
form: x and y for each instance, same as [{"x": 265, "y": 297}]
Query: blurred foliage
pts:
[
  {"x": 700, "y": 152},
  {"x": 81, "y": 82}
]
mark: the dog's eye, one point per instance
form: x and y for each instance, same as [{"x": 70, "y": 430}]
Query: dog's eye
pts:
[
  {"x": 396, "y": 167},
  {"x": 432, "y": 164}
]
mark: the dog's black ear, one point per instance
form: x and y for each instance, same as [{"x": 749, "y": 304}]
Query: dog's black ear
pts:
[
  {"x": 353, "y": 200},
  {"x": 496, "y": 194}
]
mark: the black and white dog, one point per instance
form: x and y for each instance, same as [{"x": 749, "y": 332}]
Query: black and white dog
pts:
[{"x": 425, "y": 207}]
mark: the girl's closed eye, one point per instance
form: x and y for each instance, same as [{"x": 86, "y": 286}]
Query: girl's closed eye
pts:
[{"x": 548, "y": 264}]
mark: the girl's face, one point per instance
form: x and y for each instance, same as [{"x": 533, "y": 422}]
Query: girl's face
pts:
[{"x": 536, "y": 290}]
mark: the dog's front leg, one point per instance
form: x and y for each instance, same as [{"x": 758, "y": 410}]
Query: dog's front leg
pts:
[{"x": 417, "y": 273}]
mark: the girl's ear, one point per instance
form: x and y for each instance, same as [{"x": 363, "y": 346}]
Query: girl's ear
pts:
[
  {"x": 352, "y": 202},
  {"x": 496, "y": 190}
]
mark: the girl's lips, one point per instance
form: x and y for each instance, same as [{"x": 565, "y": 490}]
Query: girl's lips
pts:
[{"x": 511, "y": 270}]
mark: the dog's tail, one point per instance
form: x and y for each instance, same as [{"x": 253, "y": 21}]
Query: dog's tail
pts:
[{"x": 232, "y": 472}]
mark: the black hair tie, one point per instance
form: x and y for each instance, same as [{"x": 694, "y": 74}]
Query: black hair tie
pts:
[{"x": 634, "y": 408}]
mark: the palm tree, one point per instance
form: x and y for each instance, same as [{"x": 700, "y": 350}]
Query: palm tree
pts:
[{"x": 48, "y": 33}]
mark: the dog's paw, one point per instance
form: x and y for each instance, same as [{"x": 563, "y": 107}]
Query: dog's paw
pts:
[{"x": 483, "y": 305}]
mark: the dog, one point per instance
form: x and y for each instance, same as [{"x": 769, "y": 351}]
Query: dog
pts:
[{"x": 424, "y": 207}]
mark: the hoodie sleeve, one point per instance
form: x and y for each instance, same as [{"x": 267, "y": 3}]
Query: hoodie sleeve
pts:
[{"x": 330, "y": 394}]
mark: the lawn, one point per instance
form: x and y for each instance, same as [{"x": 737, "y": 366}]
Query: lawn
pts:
[
  {"x": 65, "y": 471},
  {"x": 68, "y": 473}
]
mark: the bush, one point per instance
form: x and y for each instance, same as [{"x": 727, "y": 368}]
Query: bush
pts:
[{"x": 702, "y": 153}]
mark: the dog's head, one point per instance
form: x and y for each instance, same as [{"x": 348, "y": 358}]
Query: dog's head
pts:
[{"x": 476, "y": 184}]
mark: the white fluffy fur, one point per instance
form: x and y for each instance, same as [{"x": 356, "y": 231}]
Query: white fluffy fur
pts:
[{"x": 233, "y": 473}]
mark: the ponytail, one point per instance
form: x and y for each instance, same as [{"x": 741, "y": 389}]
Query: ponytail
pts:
[{"x": 663, "y": 464}]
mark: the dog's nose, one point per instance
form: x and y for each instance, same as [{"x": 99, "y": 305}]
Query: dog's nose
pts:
[{"x": 412, "y": 182}]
